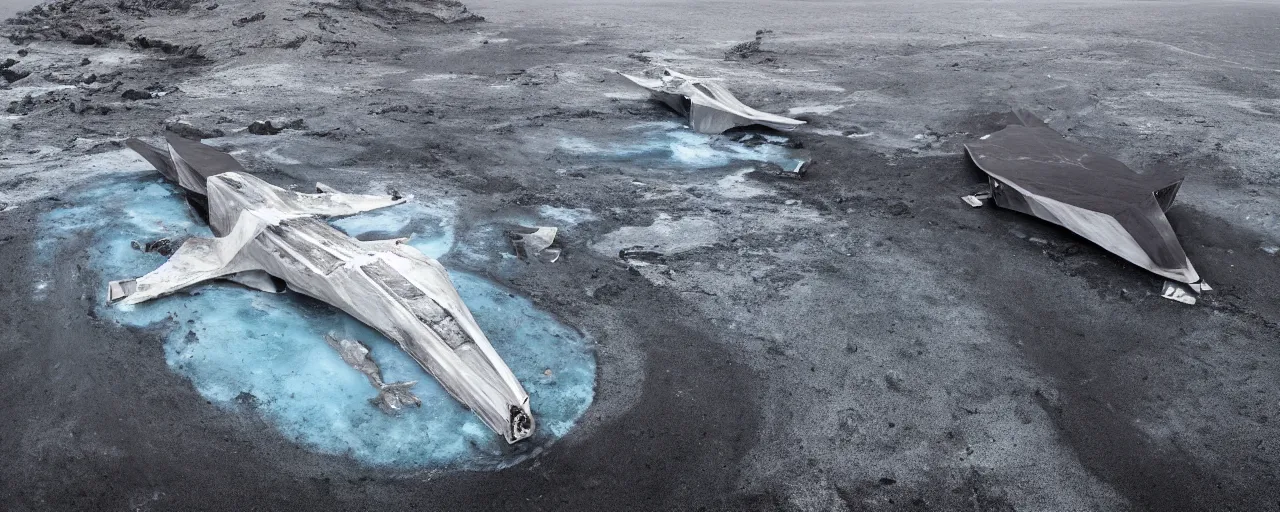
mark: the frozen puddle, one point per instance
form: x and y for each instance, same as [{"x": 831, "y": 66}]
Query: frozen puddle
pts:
[
  {"x": 248, "y": 350},
  {"x": 672, "y": 145}
]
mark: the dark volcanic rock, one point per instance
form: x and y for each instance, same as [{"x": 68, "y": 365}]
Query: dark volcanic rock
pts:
[
  {"x": 134, "y": 95},
  {"x": 11, "y": 76},
  {"x": 269, "y": 128},
  {"x": 145, "y": 43},
  {"x": 22, "y": 106}
]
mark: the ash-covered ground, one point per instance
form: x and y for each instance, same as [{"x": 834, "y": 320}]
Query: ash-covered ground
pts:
[{"x": 859, "y": 339}]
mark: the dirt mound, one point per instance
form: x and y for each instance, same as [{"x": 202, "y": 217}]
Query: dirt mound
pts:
[{"x": 447, "y": 11}]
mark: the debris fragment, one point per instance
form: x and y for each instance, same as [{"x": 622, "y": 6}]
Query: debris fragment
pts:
[
  {"x": 162, "y": 246},
  {"x": 978, "y": 199},
  {"x": 267, "y": 234},
  {"x": 391, "y": 397},
  {"x": 710, "y": 107},
  {"x": 642, "y": 255},
  {"x": 779, "y": 171},
  {"x": 1178, "y": 292},
  {"x": 1034, "y": 170},
  {"x": 535, "y": 245}
]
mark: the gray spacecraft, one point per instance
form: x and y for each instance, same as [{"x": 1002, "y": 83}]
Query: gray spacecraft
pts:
[
  {"x": 1034, "y": 170},
  {"x": 270, "y": 238},
  {"x": 709, "y": 106}
]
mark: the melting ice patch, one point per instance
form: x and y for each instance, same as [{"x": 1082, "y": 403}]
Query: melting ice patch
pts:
[
  {"x": 244, "y": 349},
  {"x": 430, "y": 229},
  {"x": 666, "y": 144}
]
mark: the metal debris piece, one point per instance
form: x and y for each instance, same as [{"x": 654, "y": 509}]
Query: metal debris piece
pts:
[
  {"x": 537, "y": 244},
  {"x": 1178, "y": 292},
  {"x": 794, "y": 173},
  {"x": 710, "y": 107},
  {"x": 977, "y": 200},
  {"x": 639, "y": 254},
  {"x": 391, "y": 397},
  {"x": 266, "y": 233},
  {"x": 1200, "y": 287},
  {"x": 1034, "y": 170}
]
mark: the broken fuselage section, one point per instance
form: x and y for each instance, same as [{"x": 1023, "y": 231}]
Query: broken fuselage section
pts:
[
  {"x": 1034, "y": 170},
  {"x": 710, "y": 107},
  {"x": 387, "y": 284}
]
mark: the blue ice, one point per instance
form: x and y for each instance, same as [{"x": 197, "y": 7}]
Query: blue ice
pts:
[
  {"x": 251, "y": 351},
  {"x": 673, "y": 145},
  {"x": 430, "y": 230}
]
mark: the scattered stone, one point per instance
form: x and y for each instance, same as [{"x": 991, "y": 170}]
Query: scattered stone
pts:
[
  {"x": 135, "y": 95},
  {"x": 295, "y": 43},
  {"x": 887, "y": 481},
  {"x": 11, "y": 76},
  {"x": 1271, "y": 249},
  {"x": 247, "y": 399},
  {"x": 211, "y": 7},
  {"x": 8, "y": 63},
  {"x": 23, "y": 106},
  {"x": 249, "y": 19},
  {"x": 898, "y": 209},
  {"x": 893, "y": 380},
  {"x": 267, "y": 128},
  {"x": 85, "y": 61}
]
